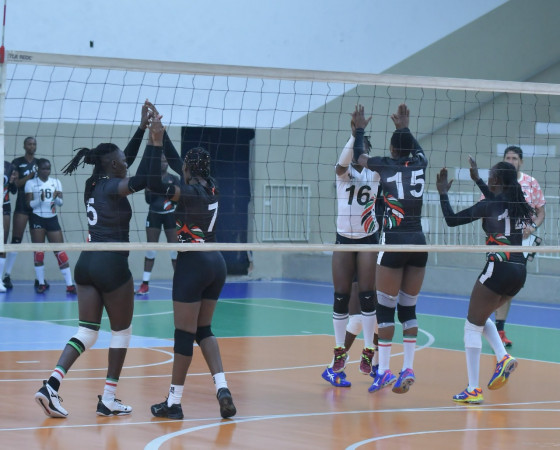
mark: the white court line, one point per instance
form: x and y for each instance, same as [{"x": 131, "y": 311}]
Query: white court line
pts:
[
  {"x": 156, "y": 443},
  {"x": 459, "y": 430},
  {"x": 429, "y": 343}
]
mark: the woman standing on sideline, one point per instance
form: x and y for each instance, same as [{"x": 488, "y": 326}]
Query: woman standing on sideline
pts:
[
  {"x": 197, "y": 284},
  {"x": 504, "y": 213},
  {"x": 43, "y": 195},
  {"x": 103, "y": 278}
]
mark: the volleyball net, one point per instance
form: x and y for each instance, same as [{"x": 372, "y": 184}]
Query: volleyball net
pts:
[{"x": 275, "y": 136}]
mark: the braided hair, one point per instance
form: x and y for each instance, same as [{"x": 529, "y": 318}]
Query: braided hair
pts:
[
  {"x": 197, "y": 160},
  {"x": 517, "y": 205},
  {"x": 93, "y": 156}
]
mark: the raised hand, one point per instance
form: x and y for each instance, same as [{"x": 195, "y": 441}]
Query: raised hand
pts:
[
  {"x": 359, "y": 118},
  {"x": 442, "y": 184},
  {"x": 474, "y": 169},
  {"x": 401, "y": 118}
]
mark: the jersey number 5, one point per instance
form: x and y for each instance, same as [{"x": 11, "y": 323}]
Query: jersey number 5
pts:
[
  {"x": 417, "y": 178},
  {"x": 91, "y": 212}
]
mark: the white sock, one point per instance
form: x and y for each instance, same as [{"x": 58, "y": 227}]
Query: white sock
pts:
[
  {"x": 490, "y": 332},
  {"x": 109, "y": 390},
  {"x": 220, "y": 380},
  {"x": 384, "y": 356},
  {"x": 10, "y": 261},
  {"x": 369, "y": 320},
  {"x": 175, "y": 395},
  {"x": 40, "y": 274},
  {"x": 473, "y": 349},
  {"x": 146, "y": 277},
  {"x": 409, "y": 344},
  {"x": 67, "y": 273},
  {"x": 339, "y": 325}
]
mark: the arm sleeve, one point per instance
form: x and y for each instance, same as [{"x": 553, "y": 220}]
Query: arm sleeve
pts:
[
  {"x": 172, "y": 156},
  {"x": 345, "y": 158},
  {"x": 358, "y": 143},
  {"x": 133, "y": 146},
  {"x": 155, "y": 182},
  {"x": 484, "y": 188},
  {"x": 465, "y": 216}
]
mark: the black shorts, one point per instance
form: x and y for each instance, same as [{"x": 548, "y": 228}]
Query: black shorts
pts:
[
  {"x": 7, "y": 208},
  {"x": 504, "y": 278},
  {"x": 159, "y": 221},
  {"x": 371, "y": 239},
  {"x": 198, "y": 275},
  {"x": 106, "y": 271},
  {"x": 46, "y": 223},
  {"x": 21, "y": 206},
  {"x": 396, "y": 260}
]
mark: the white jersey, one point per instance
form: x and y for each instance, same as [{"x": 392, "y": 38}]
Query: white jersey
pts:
[
  {"x": 356, "y": 194},
  {"x": 46, "y": 207}
]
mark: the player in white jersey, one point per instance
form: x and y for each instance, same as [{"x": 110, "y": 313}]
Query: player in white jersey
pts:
[
  {"x": 357, "y": 189},
  {"x": 43, "y": 194}
]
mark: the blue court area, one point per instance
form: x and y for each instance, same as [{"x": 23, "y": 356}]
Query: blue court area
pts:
[{"x": 30, "y": 321}]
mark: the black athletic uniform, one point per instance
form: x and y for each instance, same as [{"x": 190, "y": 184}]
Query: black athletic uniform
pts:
[
  {"x": 198, "y": 275},
  {"x": 505, "y": 271},
  {"x": 8, "y": 188},
  {"x": 403, "y": 182},
  {"x": 23, "y": 168},
  {"x": 160, "y": 214}
]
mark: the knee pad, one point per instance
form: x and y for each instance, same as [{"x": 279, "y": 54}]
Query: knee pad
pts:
[
  {"x": 341, "y": 302},
  {"x": 203, "y": 333},
  {"x": 385, "y": 316},
  {"x": 407, "y": 316},
  {"x": 184, "y": 342},
  {"x": 173, "y": 254},
  {"x": 16, "y": 240},
  {"x": 473, "y": 335},
  {"x": 367, "y": 301},
  {"x": 39, "y": 258},
  {"x": 120, "y": 339},
  {"x": 62, "y": 258},
  {"x": 407, "y": 300},
  {"x": 85, "y": 338},
  {"x": 150, "y": 254},
  {"x": 354, "y": 324}
]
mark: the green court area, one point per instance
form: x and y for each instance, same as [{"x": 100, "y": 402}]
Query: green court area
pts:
[{"x": 278, "y": 317}]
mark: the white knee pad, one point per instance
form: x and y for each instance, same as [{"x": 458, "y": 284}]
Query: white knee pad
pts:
[
  {"x": 473, "y": 335},
  {"x": 86, "y": 336},
  {"x": 150, "y": 254},
  {"x": 120, "y": 339},
  {"x": 354, "y": 324},
  {"x": 407, "y": 300}
]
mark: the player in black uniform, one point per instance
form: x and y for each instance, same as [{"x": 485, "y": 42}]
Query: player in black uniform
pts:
[
  {"x": 197, "y": 283},
  {"x": 103, "y": 279},
  {"x": 26, "y": 167},
  {"x": 399, "y": 274},
  {"x": 10, "y": 176},
  {"x": 504, "y": 213},
  {"x": 160, "y": 215}
]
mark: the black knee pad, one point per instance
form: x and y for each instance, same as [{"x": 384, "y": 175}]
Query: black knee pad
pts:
[
  {"x": 341, "y": 302},
  {"x": 203, "y": 333},
  {"x": 16, "y": 240},
  {"x": 184, "y": 342},
  {"x": 367, "y": 301},
  {"x": 385, "y": 314},
  {"x": 406, "y": 313}
]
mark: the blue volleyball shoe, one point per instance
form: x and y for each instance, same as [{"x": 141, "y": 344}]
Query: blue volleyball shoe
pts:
[
  {"x": 405, "y": 380},
  {"x": 381, "y": 381},
  {"x": 474, "y": 396},
  {"x": 503, "y": 370},
  {"x": 337, "y": 379}
]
